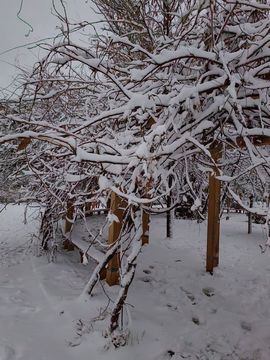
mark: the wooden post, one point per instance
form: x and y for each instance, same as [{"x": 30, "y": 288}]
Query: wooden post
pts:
[
  {"x": 146, "y": 217},
  {"x": 67, "y": 244},
  {"x": 250, "y": 215},
  {"x": 214, "y": 199},
  {"x": 117, "y": 208},
  {"x": 145, "y": 227},
  {"x": 69, "y": 216},
  {"x": 213, "y": 228},
  {"x": 268, "y": 224},
  {"x": 169, "y": 212}
]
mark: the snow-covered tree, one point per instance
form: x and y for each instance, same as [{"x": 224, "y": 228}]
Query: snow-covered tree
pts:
[{"x": 139, "y": 108}]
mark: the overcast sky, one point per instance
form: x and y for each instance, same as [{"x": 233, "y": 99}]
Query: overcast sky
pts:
[{"x": 15, "y": 32}]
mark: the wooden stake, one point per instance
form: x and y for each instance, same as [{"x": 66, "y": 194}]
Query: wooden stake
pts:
[
  {"x": 145, "y": 227},
  {"x": 169, "y": 212},
  {"x": 67, "y": 244},
  {"x": 250, "y": 215},
  {"x": 117, "y": 208},
  {"x": 212, "y": 257},
  {"x": 146, "y": 217},
  {"x": 69, "y": 216},
  {"x": 213, "y": 229}
]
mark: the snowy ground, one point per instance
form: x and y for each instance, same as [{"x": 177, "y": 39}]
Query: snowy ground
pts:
[{"x": 177, "y": 310}]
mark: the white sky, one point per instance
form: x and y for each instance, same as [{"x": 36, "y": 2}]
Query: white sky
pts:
[{"x": 13, "y": 31}]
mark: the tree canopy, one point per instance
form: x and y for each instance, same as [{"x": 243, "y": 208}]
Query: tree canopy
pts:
[{"x": 139, "y": 108}]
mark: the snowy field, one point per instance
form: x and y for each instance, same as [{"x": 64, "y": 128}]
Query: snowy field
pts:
[{"x": 176, "y": 310}]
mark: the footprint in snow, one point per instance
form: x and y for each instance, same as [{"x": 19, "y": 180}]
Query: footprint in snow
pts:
[
  {"x": 208, "y": 291},
  {"x": 246, "y": 325},
  {"x": 196, "y": 320},
  {"x": 146, "y": 279},
  {"x": 172, "y": 307},
  {"x": 146, "y": 271},
  {"x": 189, "y": 295}
]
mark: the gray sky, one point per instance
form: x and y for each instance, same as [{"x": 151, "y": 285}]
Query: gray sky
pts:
[{"x": 15, "y": 33}]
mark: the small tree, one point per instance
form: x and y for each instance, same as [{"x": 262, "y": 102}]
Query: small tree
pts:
[{"x": 140, "y": 103}]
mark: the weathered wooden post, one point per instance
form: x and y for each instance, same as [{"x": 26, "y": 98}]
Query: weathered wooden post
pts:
[
  {"x": 213, "y": 228},
  {"x": 169, "y": 212},
  {"x": 69, "y": 219},
  {"x": 268, "y": 224},
  {"x": 145, "y": 227},
  {"x": 250, "y": 215},
  {"x": 117, "y": 208},
  {"x": 146, "y": 217}
]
